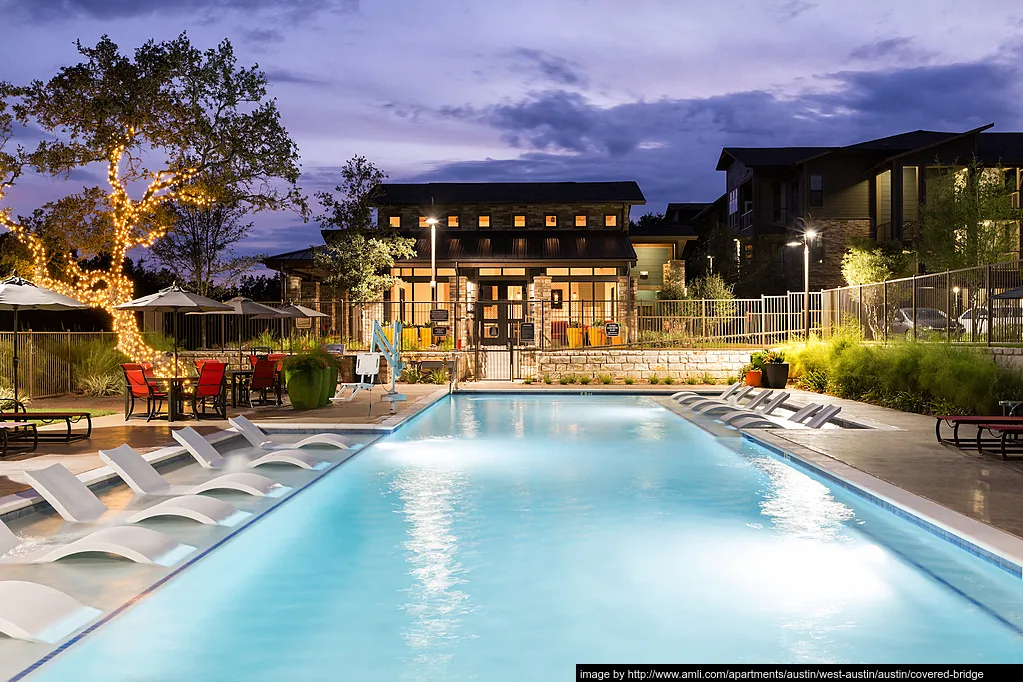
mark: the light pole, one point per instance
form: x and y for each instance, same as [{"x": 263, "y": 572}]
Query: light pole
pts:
[
  {"x": 711, "y": 259},
  {"x": 808, "y": 236},
  {"x": 432, "y": 222}
]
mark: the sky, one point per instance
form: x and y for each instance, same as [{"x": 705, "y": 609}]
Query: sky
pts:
[{"x": 531, "y": 90}]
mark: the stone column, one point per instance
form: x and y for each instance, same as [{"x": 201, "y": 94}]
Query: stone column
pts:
[
  {"x": 626, "y": 288},
  {"x": 311, "y": 294},
  {"x": 458, "y": 311},
  {"x": 540, "y": 307},
  {"x": 293, "y": 286},
  {"x": 674, "y": 271}
]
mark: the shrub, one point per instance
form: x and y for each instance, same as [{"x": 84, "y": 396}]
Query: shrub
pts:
[
  {"x": 411, "y": 375},
  {"x": 669, "y": 379},
  {"x": 654, "y": 379},
  {"x": 439, "y": 376},
  {"x": 583, "y": 379},
  {"x": 692, "y": 379},
  {"x": 605, "y": 379},
  {"x": 304, "y": 362},
  {"x": 100, "y": 385},
  {"x": 566, "y": 379},
  {"x": 708, "y": 379},
  {"x": 527, "y": 380},
  {"x": 547, "y": 379},
  {"x": 629, "y": 381}
]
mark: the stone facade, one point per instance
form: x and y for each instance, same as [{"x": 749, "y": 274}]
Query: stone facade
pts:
[
  {"x": 837, "y": 234},
  {"x": 722, "y": 365}
]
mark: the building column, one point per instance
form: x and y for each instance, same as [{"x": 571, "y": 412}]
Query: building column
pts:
[
  {"x": 626, "y": 289},
  {"x": 311, "y": 293},
  {"x": 897, "y": 195},
  {"x": 541, "y": 306},
  {"x": 458, "y": 310},
  {"x": 293, "y": 288},
  {"x": 674, "y": 270}
]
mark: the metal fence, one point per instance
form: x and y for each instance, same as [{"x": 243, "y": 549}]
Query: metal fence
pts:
[
  {"x": 51, "y": 363},
  {"x": 975, "y": 306}
]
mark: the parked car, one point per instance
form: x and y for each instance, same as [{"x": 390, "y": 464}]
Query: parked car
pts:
[
  {"x": 927, "y": 320},
  {"x": 974, "y": 321}
]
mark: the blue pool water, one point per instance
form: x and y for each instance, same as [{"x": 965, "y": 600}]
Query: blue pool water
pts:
[{"x": 509, "y": 538}]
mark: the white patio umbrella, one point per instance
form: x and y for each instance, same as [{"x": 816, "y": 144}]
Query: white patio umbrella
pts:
[
  {"x": 20, "y": 294},
  {"x": 294, "y": 310},
  {"x": 245, "y": 306},
  {"x": 174, "y": 299}
]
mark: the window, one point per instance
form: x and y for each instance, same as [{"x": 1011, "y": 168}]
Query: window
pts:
[
  {"x": 452, "y": 221},
  {"x": 611, "y": 220},
  {"x": 817, "y": 249},
  {"x": 580, "y": 272},
  {"x": 422, "y": 221},
  {"x": 514, "y": 271},
  {"x": 733, "y": 201},
  {"x": 605, "y": 271},
  {"x": 520, "y": 221},
  {"x": 816, "y": 190},
  {"x": 490, "y": 271},
  {"x": 580, "y": 221},
  {"x": 557, "y": 271},
  {"x": 484, "y": 221},
  {"x": 395, "y": 221},
  {"x": 445, "y": 272},
  {"x": 551, "y": 221}
]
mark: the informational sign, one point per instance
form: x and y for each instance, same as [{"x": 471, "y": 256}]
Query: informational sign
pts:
[
  {"x": 335, "y": 348},
  {"x": 527, "y": 332},
  {"x": 440, "y": 331},
  {"x": 438, "y": 315},
  {"x": 303, "y": 323},
  {"x": 612, "y": 329}
]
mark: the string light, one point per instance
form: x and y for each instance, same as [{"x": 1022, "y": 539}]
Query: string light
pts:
[{"x": 109, "y": 288}]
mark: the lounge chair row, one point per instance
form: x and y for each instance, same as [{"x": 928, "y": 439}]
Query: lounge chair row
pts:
[
  {"x": 39, "y": 613},
  {"x": 758, "y": 412}
]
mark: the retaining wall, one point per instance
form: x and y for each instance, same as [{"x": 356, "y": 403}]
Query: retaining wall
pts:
[{"x": 642, "y": 364}]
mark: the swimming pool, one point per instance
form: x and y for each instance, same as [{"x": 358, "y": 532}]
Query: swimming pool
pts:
[{"x": 511, "y": 537}]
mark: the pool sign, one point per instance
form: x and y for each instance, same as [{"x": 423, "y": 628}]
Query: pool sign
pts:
[
  {"x": 303, "y": 323},
  {"x": 527, "y": 332},
  {"x": 440, "y": 331},
  {"x": 438, "y": 315},
  {"x": 612, "y": 329}
]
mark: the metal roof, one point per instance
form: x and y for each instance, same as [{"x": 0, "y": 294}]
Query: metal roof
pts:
[{"x": 424, "y": 194}]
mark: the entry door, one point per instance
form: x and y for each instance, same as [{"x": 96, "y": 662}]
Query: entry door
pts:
[{"x": 501, "y": 311}]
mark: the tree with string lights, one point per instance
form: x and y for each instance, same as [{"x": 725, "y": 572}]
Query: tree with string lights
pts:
[{"x": 162, "y": 122}]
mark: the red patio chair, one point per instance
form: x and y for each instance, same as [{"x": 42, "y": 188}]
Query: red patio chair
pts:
[
  {"x": 139, "y": 388},
  {"x": 264, "y": 378},
  {"x": 211, "y": 388}
]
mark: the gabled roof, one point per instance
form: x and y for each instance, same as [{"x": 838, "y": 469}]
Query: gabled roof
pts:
[
  {"x": 1005, "y": 148},
  {"x": 902, "y": 142},
  {"x": 424, "y": 194},
  {"x": 768, "y": 156}
]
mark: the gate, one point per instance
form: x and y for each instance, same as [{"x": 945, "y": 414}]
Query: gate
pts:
[{"x": 501, "y": 353}]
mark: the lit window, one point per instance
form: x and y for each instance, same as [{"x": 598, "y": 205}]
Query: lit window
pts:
[
  {"x": 514, "y": 271},
  {"x": 484, "y": 221},
  {"x": 605, "y": 271},
  {"x": 520, "y": 221},
  {"x": 576, "y": 272},
  {"x": 557, "y": 271},
  {"x": 452, "y": 221},
  {"x": 816, "y": 190},
  {"x": 551, "y": 221},
  {"x": 445, "y": 272},
  {"x": 490, "y": 271},
  {"x": 580, "y": 221},
  {"x": 610, "y": 221},
  {"x": 422, "y": 221},
  {"x": 395, "y": 221}
]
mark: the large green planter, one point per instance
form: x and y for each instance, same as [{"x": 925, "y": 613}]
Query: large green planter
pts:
[
  {"x": 329, "y": 386},
  {"x": 305, "y": 387}
]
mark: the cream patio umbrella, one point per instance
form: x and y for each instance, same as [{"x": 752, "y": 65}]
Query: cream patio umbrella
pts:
[
  {"x": 294, "y": 310},
  {"x": 20, "y": 294}
]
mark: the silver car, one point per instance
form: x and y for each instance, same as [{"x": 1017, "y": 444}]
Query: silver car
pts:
[{"x": 927, "y": 320}]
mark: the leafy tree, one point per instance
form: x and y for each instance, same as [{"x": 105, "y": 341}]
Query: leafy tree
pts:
[
  {"x": 358, "y": 255},
  {"x": 866, "y": 262},
  {"x": 969, "y": 218},
  {"x": 200, "y": 245},
  {"x": 710, "y": 287},
  {"x": 648, "y": 219},
  {"x": 159, "y": 121}
]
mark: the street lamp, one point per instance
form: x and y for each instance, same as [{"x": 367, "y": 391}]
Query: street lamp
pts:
[
  {"x": 711, "y": 259},
  {"x": 807, "y": 237},
  {"x": 432, "y": 222}
]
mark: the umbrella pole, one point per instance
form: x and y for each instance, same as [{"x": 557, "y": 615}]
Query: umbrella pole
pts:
[{"x": 15, "y": 360}]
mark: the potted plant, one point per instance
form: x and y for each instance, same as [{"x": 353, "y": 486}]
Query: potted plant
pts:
[
  {"x": 329, "y": 378},
  {"x": 575, "y": 335},
  {"x": 304, "y": 377},
  {"x": 426, "y": 335},
  {"x": 410, "y": 338},
  {"x": 749, "y": 375},
  {"x": 776, "y": 370},
  {"x": 595, "y": 333}
]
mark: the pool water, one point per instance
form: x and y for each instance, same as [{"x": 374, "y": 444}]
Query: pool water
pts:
[{"x": 511, "y": 537}]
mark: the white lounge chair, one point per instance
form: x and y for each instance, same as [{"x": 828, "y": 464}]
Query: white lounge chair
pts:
[
  {"x": 258, "y": 438},
  {"x": 757, "y": 411},
  {"x": 731, "y": 401},
  {"x": 686, "y": 396},
  {"x": 208, "y": 457},
  {"x": 37, "y": 613},
  {"x": 75, "y": 502},
  {"x": 141, "y": 545},
  {"x": 712, "y": 407},
  {"x": 145, "y": 480},
  {"x": 793, "y": 421}
]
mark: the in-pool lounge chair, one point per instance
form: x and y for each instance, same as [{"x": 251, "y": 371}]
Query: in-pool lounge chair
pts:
[
  {"x": 687, "y": 396},
  {"x": 41, "y": 614},
  {"x": 815, "y": 415},
  {"x": 731, "y": 401},
  {"x": 141, "y": 545},
  {"x": 714, "y": 406},
  {"x": 75, "y": 502},
  {"x": 751, "y": 410},
  {"x": 258, "y": 438},
  {"x": 145, "y": 480},
  {"x": 208, "y": 457}
]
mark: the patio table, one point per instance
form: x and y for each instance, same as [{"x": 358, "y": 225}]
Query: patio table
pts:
[{"x": 237, "y": 374}]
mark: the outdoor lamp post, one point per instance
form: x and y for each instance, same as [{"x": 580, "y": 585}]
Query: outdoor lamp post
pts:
[
  {"x": 711, "y": 259},
  {"x": 808, "y": 236},
  {"x": 432, "y": 222}
]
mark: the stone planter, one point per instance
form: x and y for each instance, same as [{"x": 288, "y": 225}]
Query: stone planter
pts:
[
  {"x": 575, "y": 337},
  {"x": 753, "y": 377},
  {"x": 329, "y": 386},
  {"x": 776, "y": 374},
  {"x": 304, "y": 388}
]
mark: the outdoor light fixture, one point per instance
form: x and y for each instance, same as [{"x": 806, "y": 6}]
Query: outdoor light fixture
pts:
[
  {"x": 432, "y": 222},
  {"x": 955, "y": 290},
  {"x": 808, "y": 236},
  {"x": 643, "y": 274}
]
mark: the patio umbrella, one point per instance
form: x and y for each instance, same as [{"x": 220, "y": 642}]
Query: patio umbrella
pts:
[
  {"x": 1011, "y": 293},
  {"x": 294, "y": 310},
  {"x": 247, "y": 307},
  {"x": 174, "y": 299},
  {"x": 20, "y": 294}
]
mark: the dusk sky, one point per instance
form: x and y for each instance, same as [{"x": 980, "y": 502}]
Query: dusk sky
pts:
[{"x": 645, "y": 90}]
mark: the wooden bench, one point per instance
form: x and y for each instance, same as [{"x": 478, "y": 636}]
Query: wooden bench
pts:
[{"x": 17, "y": 431}]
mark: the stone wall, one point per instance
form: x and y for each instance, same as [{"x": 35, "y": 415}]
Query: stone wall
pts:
[
  {"x": 642, "y": 364},
  {"x": 1008, "y": 357},
  {"x": 837, "y": 234}
]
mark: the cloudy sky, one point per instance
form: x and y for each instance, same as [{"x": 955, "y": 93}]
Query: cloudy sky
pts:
[{"x": 650, "y": 90}]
